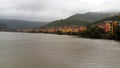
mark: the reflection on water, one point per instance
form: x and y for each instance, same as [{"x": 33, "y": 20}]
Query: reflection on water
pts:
[{"x": 23, "y": 50}]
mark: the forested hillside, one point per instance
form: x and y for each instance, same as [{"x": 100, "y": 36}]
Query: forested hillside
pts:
[{"x": 80, "y": 19}]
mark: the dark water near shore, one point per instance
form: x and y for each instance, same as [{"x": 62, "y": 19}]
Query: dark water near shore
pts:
[{"x": 27, "y": 50}]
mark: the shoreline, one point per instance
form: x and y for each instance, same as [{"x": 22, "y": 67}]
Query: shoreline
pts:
[{"x": 69, "y": 35}]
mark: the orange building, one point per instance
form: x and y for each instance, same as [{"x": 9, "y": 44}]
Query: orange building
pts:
[
  {"x": 107, "y": 27},
  {"x": 82, "y": 28},
  {"x": 110, "y": 26}
]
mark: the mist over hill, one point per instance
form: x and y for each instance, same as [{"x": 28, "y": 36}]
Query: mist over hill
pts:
[{"x": 12, "y": 25}]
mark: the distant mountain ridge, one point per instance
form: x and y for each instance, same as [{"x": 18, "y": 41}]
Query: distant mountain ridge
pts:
[
  {"x": 81, "y": 19},
  {"x": 13, "y": 25}
]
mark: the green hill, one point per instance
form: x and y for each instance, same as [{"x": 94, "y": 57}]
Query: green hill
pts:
[
  {"x": 3, "y": 26},
  {"x": 80, "y": 19}
]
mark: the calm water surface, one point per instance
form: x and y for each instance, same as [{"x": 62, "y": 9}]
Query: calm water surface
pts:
[{"x": 24, "y": 50}]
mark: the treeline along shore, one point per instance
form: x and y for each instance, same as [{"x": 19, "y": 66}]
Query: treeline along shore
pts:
[{"x": 102, "y": 30}]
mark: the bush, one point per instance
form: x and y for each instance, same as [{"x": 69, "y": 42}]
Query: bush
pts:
[{"x": 117, "y": 32}]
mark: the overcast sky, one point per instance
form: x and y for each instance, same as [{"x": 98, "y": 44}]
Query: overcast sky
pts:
[{"x": 49, "y": 10}]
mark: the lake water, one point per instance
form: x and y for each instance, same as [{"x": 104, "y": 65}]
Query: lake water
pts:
[{"x": 27, "y": 50}]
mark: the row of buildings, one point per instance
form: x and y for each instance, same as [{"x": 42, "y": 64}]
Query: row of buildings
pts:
[
  {"x": 65, "y": 29},
  {"x": 108, "y": 26}
]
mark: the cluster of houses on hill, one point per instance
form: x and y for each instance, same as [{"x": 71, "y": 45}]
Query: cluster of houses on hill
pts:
[{"x": 108, "y": 26}]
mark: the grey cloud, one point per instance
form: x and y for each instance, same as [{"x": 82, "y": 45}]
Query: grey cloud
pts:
[{"x": 49, "y": 10}]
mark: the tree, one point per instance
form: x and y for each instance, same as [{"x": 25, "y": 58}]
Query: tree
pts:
[
  {"x": 117, "y": 32},
  {"x": 92, "y": 33}
]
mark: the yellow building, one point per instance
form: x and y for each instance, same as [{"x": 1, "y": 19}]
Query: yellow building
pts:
[{"x": 75, "y": 29}]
